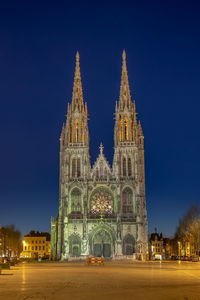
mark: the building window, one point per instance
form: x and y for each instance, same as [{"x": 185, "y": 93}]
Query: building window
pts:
[
  {"x": 82, "y": 132},
  {"x": 43, "y": 247},
  {"x": 127, "y": 201},
  {"x": 35, "y": 247},
  {"x": 131, "y": 130},
  {"x": 39, "y": 247},
  {"x": 125, "y": 128},
  {"x": 129, "y": 167},
  {"x": 78, "y": 167},
  {"x": 124, "y": 166},
  {"x": 32, "y": 248},
  {"x": 76, "y": 200},
  {"x": 73, "y": 167},
  {"x": 76, "y": 131}
]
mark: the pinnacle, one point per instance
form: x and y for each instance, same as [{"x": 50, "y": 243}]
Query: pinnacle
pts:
[
  {"x": 77, "y": 56},
  {"x": 124, "y": 55},
  {"x": 101, "y": 148}
]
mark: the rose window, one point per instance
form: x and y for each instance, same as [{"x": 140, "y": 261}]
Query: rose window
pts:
[{"x": 101, "y": 203}]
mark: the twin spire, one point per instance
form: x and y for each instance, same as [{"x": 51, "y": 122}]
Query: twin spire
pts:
[
  {"x": 77, "y": 95},
  {"x": 124, "y": 98}
]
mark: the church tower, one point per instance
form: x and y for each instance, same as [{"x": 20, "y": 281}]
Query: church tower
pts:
[
  {"x": 74, "y": 163},
  {"x": 128, "y": 165}
]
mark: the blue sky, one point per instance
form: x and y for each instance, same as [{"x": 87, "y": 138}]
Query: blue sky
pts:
[{"x": 39, "y": 40}]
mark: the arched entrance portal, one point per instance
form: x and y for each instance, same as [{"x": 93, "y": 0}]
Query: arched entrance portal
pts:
[
  {"x": 102, "y": 244},
  {"x": 75, "y": 245}
]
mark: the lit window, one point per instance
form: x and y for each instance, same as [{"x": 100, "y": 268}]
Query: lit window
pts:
[
  {"x": 126, "y": 128},
  {"x": 82, "y": 132},
  {"x": 76, "y": 131}
]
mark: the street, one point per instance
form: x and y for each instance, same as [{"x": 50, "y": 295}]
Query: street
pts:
[{"x": 115, "y": 280}]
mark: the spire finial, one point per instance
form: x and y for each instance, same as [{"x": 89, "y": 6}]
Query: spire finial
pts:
[
  {"x": 101, "y": 148},
  {"x": 77, "y": 56},
  {"x": 124, "y": 55}
]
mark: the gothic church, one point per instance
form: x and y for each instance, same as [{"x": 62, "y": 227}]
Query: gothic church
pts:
[{"x": 102, "y": 208}]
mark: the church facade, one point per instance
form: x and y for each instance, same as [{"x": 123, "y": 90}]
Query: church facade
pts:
[{"x": 102, "y": 208}]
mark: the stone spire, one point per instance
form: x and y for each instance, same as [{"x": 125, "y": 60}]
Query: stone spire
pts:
[
  {"x": 125, "y": 97},
  {"x": 77, "y": 95}
]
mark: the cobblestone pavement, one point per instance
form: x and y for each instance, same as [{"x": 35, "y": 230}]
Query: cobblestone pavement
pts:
[{"x": 114, "y": 280}]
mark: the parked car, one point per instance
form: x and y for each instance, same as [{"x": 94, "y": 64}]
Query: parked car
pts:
[
  {"x": 186, "y": 258},
  {"x": 194, "y": 258},
  {"x": 173, "y": 257}
]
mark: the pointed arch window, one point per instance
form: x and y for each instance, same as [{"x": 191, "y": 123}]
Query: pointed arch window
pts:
[
  {"x": 129, "y": 167},
  {"x": 126, "y": 128},
  {"x": 124, "y": 166},
  {"x": 76, "y": 131},
  {"x": 73, "y": 167},
  {"x": 82, "y": 132},
  {"x": 131, "y": 129},
  {"x": 127, "y": 201},
  {"x": 78, "y": 167},
  {"x": 76, "y": 200}
]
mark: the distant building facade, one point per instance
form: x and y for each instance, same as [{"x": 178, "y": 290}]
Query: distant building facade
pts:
[
  {"x": 102, "y": 208},
  {"x": 35, "y": 245},
  {"x": 156, "y": 244},
  {"x": 163, "y": 248}
]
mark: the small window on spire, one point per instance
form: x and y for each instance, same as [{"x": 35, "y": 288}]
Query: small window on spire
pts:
[
  {"x": 82, "y": 132},
  {"x": 131, "y": 129},
  {"x": 126, "y": 128},
  {"x": 76, "y": 131}
]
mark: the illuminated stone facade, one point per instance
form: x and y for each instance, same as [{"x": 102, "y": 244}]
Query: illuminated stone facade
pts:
[{"x": 102, "y": 208}]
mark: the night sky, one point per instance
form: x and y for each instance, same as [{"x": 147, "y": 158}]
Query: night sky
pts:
[{"x": 38, "y": 43}]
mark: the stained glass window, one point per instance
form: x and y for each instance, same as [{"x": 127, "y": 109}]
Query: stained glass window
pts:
[{"x": 101, "y": 203}]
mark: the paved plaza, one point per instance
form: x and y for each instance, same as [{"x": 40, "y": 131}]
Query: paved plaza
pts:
[{"x": 115, "y": 280}]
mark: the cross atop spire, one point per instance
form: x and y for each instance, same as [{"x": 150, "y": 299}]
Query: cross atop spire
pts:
[
  {"x": 77, "y": 95},
  {"x": 125, "y": 97}
]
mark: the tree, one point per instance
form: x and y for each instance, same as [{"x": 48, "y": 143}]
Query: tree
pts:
[
  {"x": 188, "y": 230},
  {"x": 10, "y": 240}
]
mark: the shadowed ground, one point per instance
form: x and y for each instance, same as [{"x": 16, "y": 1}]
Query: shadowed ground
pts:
[{"x": 114, "y": 280}]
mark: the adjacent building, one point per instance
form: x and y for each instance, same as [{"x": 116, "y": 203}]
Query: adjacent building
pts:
[
  {"x": 156, "y": 246},
  {"x": 36, "y": 245},
  {"x": 102, "y": 208}
]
